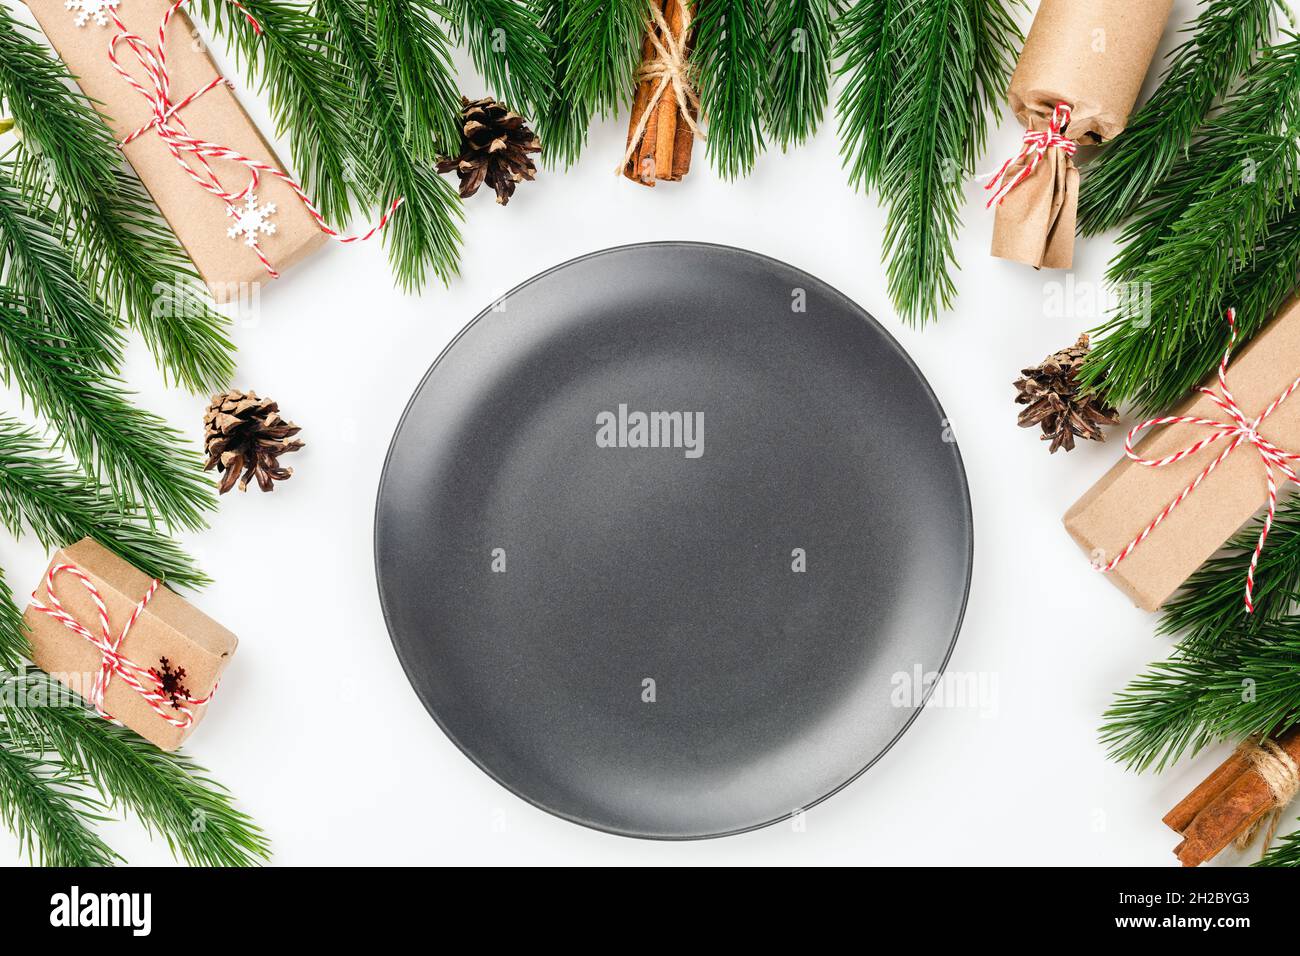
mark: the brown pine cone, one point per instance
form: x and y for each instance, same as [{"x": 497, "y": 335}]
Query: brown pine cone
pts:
[
  {"x": 244, "y": 433},
  {"x": 1051, "y": 390},
  {"x": 494, "y": 149}
]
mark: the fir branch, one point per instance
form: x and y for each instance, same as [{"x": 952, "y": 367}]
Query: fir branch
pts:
[
  {"x": 798, "y": 38},
  {"x": 294, "y": 63},
  {"x": 415, "y": 56},
  {"x": 423, "y": 235},
  {"x": 1242, "y": 684},
  {"x": 1211, "y": 604},
  {"x": 13, "y": 637},
  {"x": 508, "y": 46},
  {"x": 729, "y": 54},
  {"x": 998, "y": 41},
  {"x": 123, "y": 248},
  {"x": 1286, "y": 852},
  {"x": 1199, "y": 230},
  {"x": 867, "y": 44},
  {"x": 60, "y": 506},
  {"x": 35, "y": 262},
  {"x": 595, "y": 51},
  {"x": 168, "y": 792},
  {"x": 926, "y": 156},
  {"x": 48, "y": 815},
  {"x": 143, "y": 460},
  {"x": 1224, "y": 39}
]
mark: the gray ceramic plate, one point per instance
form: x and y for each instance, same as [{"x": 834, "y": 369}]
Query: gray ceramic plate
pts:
[{"x": 673, "y": 625}]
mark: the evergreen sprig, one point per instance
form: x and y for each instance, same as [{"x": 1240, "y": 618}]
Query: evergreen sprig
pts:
[
  {"x": 731, "y": 58},
  {"x": 1198, "y": 233},
  {"x": 59, "y": 505},
  {"x": 867, "y": 41},
  {"x": 1286, "y": 852},
  {"x": 168, "y": 792},
  {"x": 798, "y": 35},
  {"x": 122, "y": 247},
  {"x": 49, "y": 815},
  {"x": 1231, "y": 674},
  {"x": 1223, "y": 41},
  {"x": 509, "y": 47},
  {"x": 143, "y": 460},
  {"x": 423, "y": 236},
  {"x": 415, "y": 54},
  {"x": 13, "y": 642},
  {"x": 595, "y": 51}
]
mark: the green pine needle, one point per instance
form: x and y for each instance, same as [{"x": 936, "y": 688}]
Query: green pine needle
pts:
[
  {"x": 1242, "y": 684},
  {"x": 1285, "y": 853},
  {"x": 144, "y": 461},
  {"x": 732, "y": 60},
  {"x": 423, "y": 236},
  {"x": 122, "y": 246},
  {"x": 1223, "y": 42},
  {"x": 508, "y": 46},
  {"x": 168, "y": 792},
  {"x": 595, "y": 51},
  {"x": 13, "y": 638},
  {"x": 60, "y": 506},
  {"x": 415, "y": 55},
  {"x": 293, "y": 63},
  {"x": 46, "y": 811},
  {"x": 798, "y": 38},
  {"x": 1198, "y": 233},
  {"x": 868, "y": 39}
]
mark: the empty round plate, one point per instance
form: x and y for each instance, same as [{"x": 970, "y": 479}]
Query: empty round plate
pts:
[{"x": 672, "y": 540}]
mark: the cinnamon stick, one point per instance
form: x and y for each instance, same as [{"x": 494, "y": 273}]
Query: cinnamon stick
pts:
[
  {"x": 1231, "y": 800},
  {"x": 666, "y": 134}
]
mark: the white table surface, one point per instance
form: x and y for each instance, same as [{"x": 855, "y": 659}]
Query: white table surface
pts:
[{"x": 317, "y": 730}]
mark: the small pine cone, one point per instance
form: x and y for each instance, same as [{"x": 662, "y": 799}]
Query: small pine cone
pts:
[
  {"x": 494, "y": 149},
  {"x": 1051, "y": 390},
  {"x": 244, "y": 433}
]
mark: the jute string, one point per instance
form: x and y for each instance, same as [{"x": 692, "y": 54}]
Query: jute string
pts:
[
  {"x": 671, "y": 67},
  {"x": 1280, "y": 773}
]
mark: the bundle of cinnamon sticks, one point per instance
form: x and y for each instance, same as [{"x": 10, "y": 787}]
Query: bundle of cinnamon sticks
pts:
[
  {"x": 660, "y": 135},
  {"x": 1233, "y": 800}
]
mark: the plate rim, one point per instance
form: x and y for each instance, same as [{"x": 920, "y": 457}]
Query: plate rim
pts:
[{"x": 969, "y": 558}]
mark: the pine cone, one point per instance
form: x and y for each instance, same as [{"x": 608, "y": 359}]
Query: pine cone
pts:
[
  {"x": 1052, "y": 393},
  {"x": 245, "y": 433},
  {"x": 494, "y": 149}
]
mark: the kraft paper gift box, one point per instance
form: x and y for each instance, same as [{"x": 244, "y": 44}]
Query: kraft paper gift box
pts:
[
  {"x": 169, "y": 627},
  {"x": 1092, "y": 55},
  {"x": 1129, "y": 496},
  {"x": 197, "y": 217}
]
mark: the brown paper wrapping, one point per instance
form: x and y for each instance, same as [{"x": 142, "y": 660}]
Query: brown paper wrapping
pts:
[
  {"x": 1093, "y": 55},
  {"x": 169, "y": 627},
  {"x": 199, "y": 219},
  {"x": 1126, "y": 499}
]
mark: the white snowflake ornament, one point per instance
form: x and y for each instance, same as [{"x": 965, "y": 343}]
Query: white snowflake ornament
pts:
[
  {"x": 251, "y": 220},
  {"x": 88, "y": 9}
]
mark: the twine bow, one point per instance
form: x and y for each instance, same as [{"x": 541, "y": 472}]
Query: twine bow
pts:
[
  {"x": 1240, "y": 431},
  {"x": 1033, "y": 149},
  {"x": 171, "y": 129},
  {"x": 177, "y": 711},
  {"x": 1281, "y": 775},
  {"x": 670, "y": 68}
]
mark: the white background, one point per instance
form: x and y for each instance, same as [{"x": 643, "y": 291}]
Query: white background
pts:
[{"x": 316, "y": 728}]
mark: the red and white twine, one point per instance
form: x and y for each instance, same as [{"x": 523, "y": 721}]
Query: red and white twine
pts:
[
  {"x": 177, "y": 711},
  {"x": 1032, "y": 150},
  {"x": 171, "y": 129},
  {"x": 1239, "y": 431}
]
